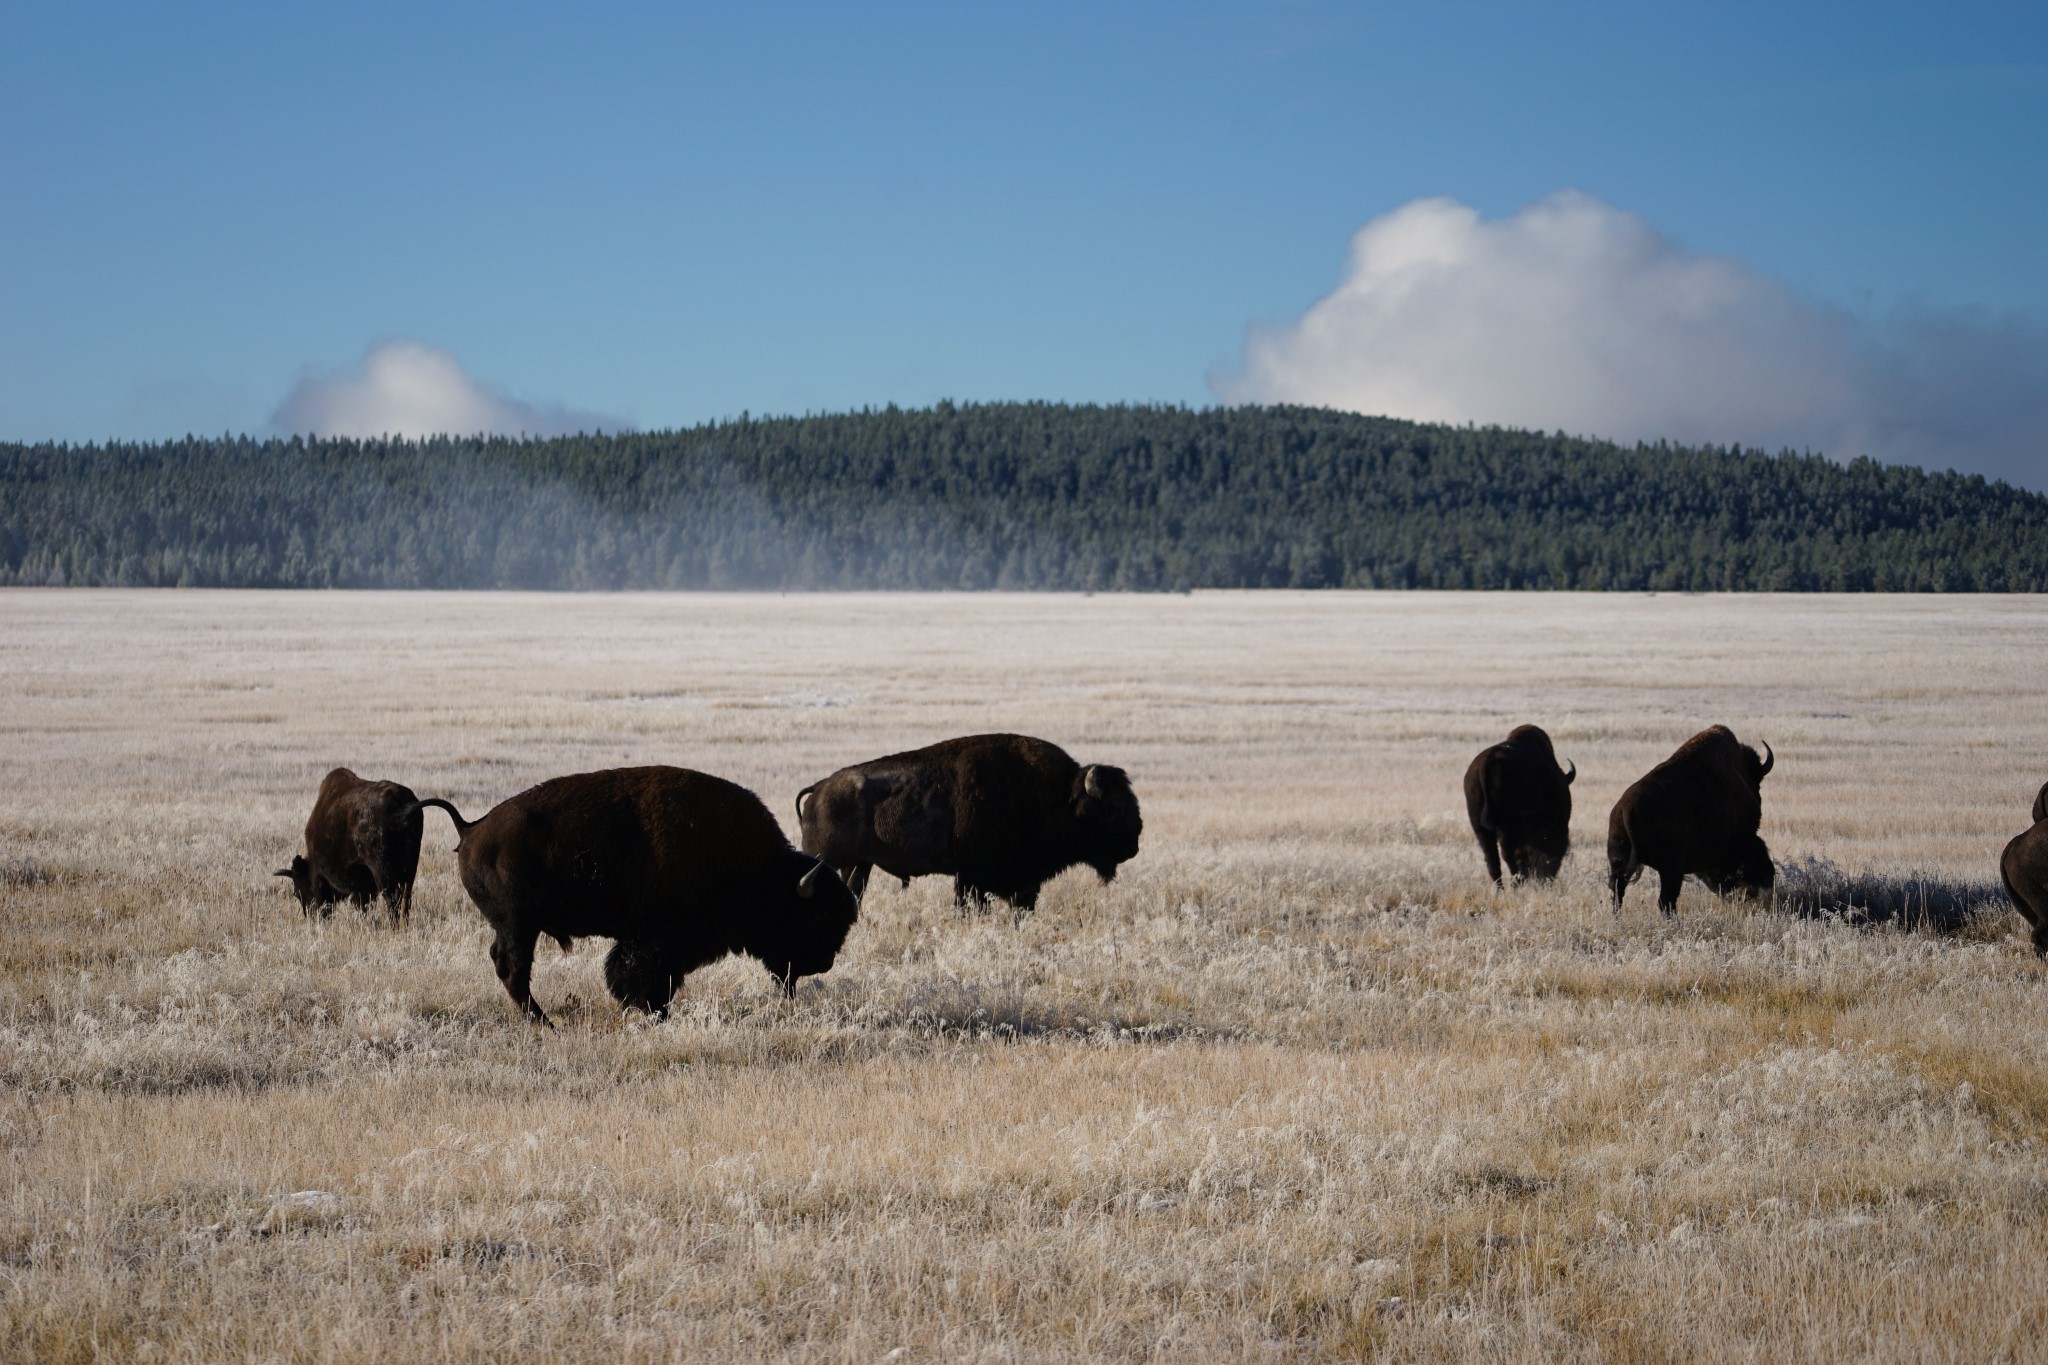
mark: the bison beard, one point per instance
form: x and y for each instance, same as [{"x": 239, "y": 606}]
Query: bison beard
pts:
[
  {"x": 1695, "y": 813},
  {"x": 1001, "y": 814},
  {"x": 681, "y": 868},
  {"x": 642, "y": 976},
  {"x": 362, "y": 842},
  {"x": 1520, "y": 805}
]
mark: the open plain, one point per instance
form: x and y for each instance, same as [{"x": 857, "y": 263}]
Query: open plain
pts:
[{"x": 1298, "y": 1085}]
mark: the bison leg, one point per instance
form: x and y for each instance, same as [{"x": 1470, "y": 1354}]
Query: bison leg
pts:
[
  {"x": 967, "y": 896},
  {"x": 2035, "y": 918},
  {"x": 512, "y": 955},
  {"x": 1667, "y": 890},
  {"x": 1619, "y": 875},
  {"x": 1489, "y": 845},
  {"x": 397, "y": 900}
]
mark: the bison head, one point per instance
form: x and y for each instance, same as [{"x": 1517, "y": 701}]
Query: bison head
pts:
[
  {"x": 1759, "y": 768},
  {"x": 1752, "y": 873},
  {"x": 1541, "y": 853},
  {"x": 1541, "y": 847},
  {"x": 802, "y": 916},
  {"x": 1106, "y": 818},
  {"x": 303, "y": 885}
]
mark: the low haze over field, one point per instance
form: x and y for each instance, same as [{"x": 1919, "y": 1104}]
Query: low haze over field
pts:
[{"x": 1759, "y": 226}]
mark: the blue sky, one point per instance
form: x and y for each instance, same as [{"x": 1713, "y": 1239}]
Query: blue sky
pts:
[{"x": 665, "y": 214}]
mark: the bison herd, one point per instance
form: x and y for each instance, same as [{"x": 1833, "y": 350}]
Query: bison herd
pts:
[
  {"x": 680, "y": 868},
  {"x": 1695, "y": 814}
]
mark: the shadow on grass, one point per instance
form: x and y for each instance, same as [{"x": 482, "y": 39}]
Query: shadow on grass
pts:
[
  {"x": 24, "y": 872},
  {"x": 966, "y": 1012},
  {"x": 1815, "y": 887}
]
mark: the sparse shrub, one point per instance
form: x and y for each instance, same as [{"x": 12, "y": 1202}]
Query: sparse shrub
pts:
[
  {"x": 23, "y": 872},
  {"x": 1909, "y": 899}
]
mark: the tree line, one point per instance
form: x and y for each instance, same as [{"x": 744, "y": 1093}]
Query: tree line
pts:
[{"x": 1009, "y": 496}]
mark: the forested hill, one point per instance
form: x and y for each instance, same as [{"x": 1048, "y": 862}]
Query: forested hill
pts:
[{"x": 1007, "y": 496}]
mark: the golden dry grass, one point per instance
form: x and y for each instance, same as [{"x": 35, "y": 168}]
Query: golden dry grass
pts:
[{"x": 1298, "y": 1086}]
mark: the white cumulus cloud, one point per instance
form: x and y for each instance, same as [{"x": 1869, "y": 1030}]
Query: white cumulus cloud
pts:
[
  {"x": 1575, "y": 315},
  {"x": 410, "y": 389}
]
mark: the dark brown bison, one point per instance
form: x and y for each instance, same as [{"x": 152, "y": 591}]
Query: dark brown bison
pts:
[
  {"x": 362, "y": 841},
  {"x": 2041, "y": 804},
  {"x": 1696, "y": 812},
  {"x": 679, "y": 867},
  {"x": 1001, "y": 814},
  {"x": 1521, "y": 805},
  {"x": 2024, "y": 870}
]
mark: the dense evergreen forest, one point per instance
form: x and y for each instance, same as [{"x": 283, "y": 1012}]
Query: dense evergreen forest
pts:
[{"x": 1007, "y": 496}]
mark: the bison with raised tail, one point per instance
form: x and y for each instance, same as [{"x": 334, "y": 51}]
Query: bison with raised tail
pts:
[
  {"x": 1696, "y": 812},
  {"x": 1001, "y": 814},
  {"x": 679, "y": 867},
  {"x": 362, "y": 841},
  {"x": 1520, "y": 805}
]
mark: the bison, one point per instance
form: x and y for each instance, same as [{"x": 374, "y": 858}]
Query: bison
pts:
[
  {"x": 2041, "y": 804},
  {"x": 1696, "y": 812},
  {"x": 678, "y": 867},
  {"x": 2023, "y": 867},
  {"x": 1521, "y": 805},
  {"x": 1001, "y": 814},
  {"x": 362, "y": 841}
]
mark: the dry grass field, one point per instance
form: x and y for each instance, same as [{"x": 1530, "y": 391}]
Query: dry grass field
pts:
[{"x": 1299, "y": 1085}]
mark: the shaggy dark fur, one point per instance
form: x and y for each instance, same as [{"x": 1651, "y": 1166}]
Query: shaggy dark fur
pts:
[
  {"x": 679, "y": 867},
  {"x": 2023, "y": 867},
  {"x": 362, "y": 841},
  {"x": 1520, "y": 805},
  {"x": 1696, "y": 812},
  {"x": 1000, "y": 814}
]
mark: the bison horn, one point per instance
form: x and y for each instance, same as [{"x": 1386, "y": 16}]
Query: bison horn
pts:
[
  {"x": 1088, "y": 782},
  {"x": 282, "y": 872},
  {"x": 1769, "y": 759},
  {"x": 809, "y": 883},
  {"x": 1572, "y": 774}
]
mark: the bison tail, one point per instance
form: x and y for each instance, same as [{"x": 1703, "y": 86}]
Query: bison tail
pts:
[
  {"x": 1622, "y": 863},
  {"x": 800, "y": 803},
  {"x": 1621, "y": 849},
  {"x": 462, "y": 826}
]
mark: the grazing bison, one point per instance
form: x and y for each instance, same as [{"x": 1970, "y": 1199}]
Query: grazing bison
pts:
[
  {"x": 1001, "y": 814},
  {"x": 362, "y": 840},
  {"x": 1696, "y": 812},
  {"x": 2024, "y": 870},
  {"x": 1521, "y": 805},
  {"x": 679, "y": 867}
]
